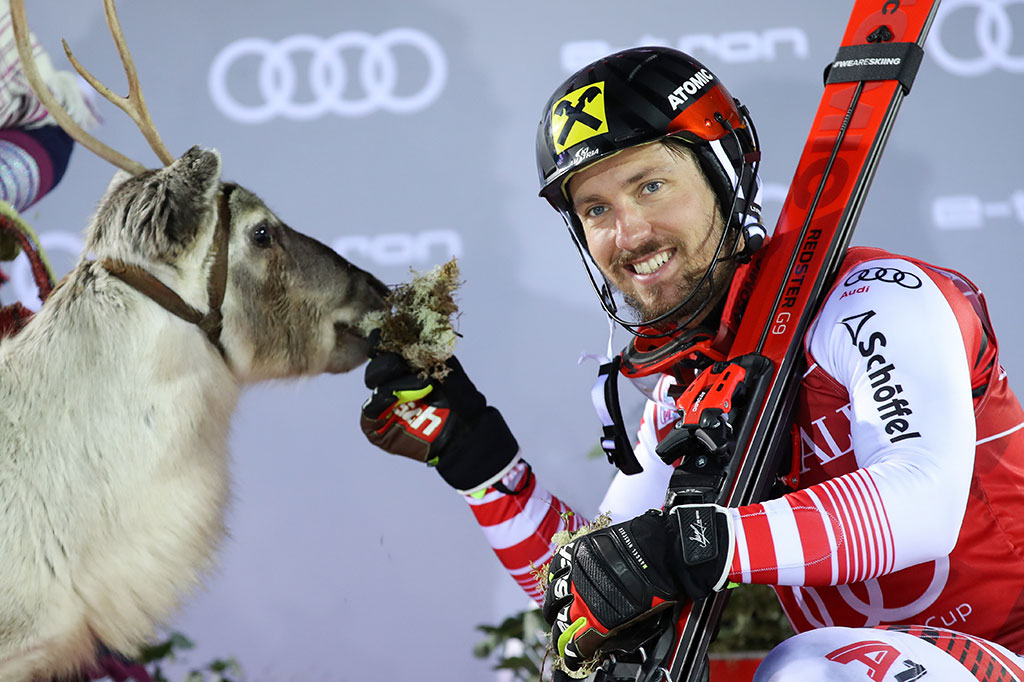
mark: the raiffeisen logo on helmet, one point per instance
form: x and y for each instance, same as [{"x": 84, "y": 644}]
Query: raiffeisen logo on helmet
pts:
[
  {"x": 578, "y": 116},
  {"x": 691, "y": 86}
]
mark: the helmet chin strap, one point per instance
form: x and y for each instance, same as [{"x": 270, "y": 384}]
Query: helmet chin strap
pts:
[{"x": 748, "y": 215}]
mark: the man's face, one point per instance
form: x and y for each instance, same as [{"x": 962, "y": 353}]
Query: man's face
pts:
[{"x": 652, "y": 226}]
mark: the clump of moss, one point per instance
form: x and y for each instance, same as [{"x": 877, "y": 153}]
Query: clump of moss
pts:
[
  {"x": 560, "y": 539},
  {"x": 417, "y": 320}
]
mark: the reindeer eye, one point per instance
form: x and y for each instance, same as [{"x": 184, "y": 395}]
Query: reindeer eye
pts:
[{"x": 261, "y": 236}]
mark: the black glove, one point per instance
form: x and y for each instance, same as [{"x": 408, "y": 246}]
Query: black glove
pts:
[
  {"x": 446, "y": 424},
  {"x": 605, "y": 586}
]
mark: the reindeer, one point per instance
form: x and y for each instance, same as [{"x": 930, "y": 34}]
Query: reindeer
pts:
[{"x": 115, "y": 399}]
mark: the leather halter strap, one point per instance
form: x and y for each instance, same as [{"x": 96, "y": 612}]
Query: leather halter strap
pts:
[{"x": 148, "y": 285}]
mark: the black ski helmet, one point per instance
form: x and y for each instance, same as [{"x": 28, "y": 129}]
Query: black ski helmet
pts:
[{"x": 641, "y": 95}]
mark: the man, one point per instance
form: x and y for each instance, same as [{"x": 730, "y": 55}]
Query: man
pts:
[{"x": 900, "y": 549}]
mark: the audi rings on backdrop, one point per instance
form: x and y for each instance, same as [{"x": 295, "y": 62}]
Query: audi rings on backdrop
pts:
[
  {"x": 377, "y": 73},
  {"x": 993, "y": 31}
]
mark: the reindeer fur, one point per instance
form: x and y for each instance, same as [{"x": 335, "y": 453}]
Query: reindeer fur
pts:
[{"x": 114, "y": 414}]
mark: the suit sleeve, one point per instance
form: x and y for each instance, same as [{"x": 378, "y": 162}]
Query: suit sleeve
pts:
[
  {"x": 898, "y": 351},
  {"x": 518, "y": 517}
]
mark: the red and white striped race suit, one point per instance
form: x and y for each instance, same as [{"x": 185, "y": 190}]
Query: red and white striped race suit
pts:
[{"x": 911, "y": 454}]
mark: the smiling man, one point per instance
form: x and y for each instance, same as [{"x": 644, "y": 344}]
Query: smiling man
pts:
[
  {"x": 652, "y": 225},
  {"x": 897, "y": 550}
]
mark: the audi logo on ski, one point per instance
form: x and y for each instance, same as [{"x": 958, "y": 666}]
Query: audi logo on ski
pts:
[
  {"x": 371, "y": 86},
  {"x": 891, "y": 408},
  {"x": 993, "y": 34}
]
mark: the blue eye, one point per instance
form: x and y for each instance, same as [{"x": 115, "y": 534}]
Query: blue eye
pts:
[
  {"x": 596, "y": 211},
  {"x": 653, "y": 186}
]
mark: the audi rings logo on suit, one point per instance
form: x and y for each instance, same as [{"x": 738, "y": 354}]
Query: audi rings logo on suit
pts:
[
  {"x": 350, "y": 74},
  {"x": 907, "y": 280}
]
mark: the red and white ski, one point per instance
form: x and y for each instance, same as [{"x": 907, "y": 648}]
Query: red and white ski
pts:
[{"x": 866, "y": 83}]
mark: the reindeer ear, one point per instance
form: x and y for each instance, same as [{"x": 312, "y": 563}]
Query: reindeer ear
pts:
[
  {"x": 189, "y": 187},
  {"x": 158, "y": 214},
  {"x": 166, "y": 209}
]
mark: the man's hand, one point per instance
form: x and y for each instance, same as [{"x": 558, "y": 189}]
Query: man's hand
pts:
[
  {"x": 405, "y": 415},
  {"x": 606, "y": 586},
  {"x": 446, "y": 424}
]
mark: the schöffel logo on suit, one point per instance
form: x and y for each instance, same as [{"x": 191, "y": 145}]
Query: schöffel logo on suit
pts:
[
  {"x": 891, "y": 407},
  {"x": 733, "y": 47},
  {"x": 988, "y": 46},
  {"x": 350, "y": 74}
]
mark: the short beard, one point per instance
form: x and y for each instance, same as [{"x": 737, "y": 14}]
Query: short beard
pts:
[
  {"x": 697, "y": 293},
  {"x": 704, "y": 296}
]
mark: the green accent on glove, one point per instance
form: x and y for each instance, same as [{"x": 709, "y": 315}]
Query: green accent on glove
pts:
[
  {"x": 413, "y": 394},
  {"x": 479, "y": 494},
  {"x": 566, "y": 636}
]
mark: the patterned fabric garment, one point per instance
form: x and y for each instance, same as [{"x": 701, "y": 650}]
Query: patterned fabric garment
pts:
[
  {"x": 19, "y": 107},
  {"x": 519, "y": 526},
  {"x": 32, "y": 162},
  {"x": 33, "y": 150},
  {"x": 911, "y": 459}
]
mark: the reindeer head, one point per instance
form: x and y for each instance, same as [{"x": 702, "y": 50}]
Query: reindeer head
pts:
[
  {"x": 274, "y": 302},
  {"x": 289, "y": 303},
  {"x": 292, "y": 303}
]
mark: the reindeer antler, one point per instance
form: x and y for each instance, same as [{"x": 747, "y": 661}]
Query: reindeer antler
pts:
[{"x": 134, "y": 104}]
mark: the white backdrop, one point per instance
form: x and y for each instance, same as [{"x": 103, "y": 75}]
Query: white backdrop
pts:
[{"x": 402, "y": 132}]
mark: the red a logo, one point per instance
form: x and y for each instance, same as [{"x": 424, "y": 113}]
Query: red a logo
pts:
[{"x": 877, "y": 656}]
